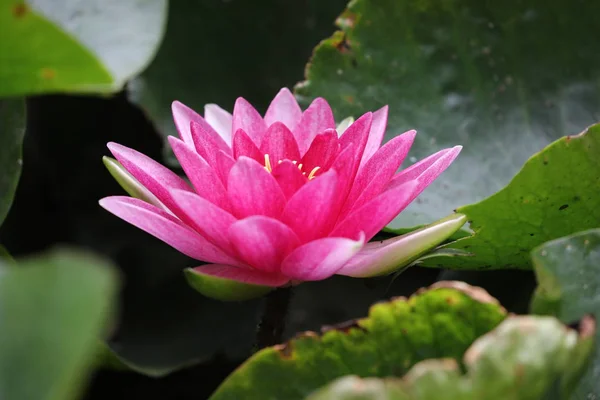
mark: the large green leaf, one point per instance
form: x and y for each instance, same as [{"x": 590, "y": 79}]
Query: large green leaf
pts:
[
  {"x": 12, "y": 130},
  {"x": 76, "y": 46},
  {"x": 555, "y": 194},
  {"x": 210, "y": 54},
  {"x": 500, "y": 78},
  {"x": 568, "y": 271},
  {"x": 525, "y": 358},
  {"x": 439, "y": 322},
  {"x": 53, "y": 309}
]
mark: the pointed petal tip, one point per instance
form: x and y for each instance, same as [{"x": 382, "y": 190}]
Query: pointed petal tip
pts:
[
  {"x": 173, "y": 140},
  {"x": 241, "y": 100},
  {"x": 212, "y": 106},
  {"x": 285, "y": 90},
  {"x": 176, "y": 106},
  {"x": 108, "y": 202},
  {"x": 384, "y": 258},
  {"x": 114, "y": 146}
]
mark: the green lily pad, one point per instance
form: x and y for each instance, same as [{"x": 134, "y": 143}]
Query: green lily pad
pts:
[
  {"x": 12, "y": 130},
  {"x": 503, "y": 79},
  {"x": 441, "y": 321},
  {"x": 85, "y": 47},
  {"x": 525, "y": 358},
  {"x": 555, "y": 194},
  {"x": 568, "y": 272},
  {"x": 5, "y": 257},
  {"x": 53, "y": 309}
]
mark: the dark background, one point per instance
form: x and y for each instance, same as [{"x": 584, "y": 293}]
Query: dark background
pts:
[{"x": 63, "y": 178}]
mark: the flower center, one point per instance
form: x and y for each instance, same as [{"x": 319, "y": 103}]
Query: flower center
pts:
[{"x": 310, "y": 176}]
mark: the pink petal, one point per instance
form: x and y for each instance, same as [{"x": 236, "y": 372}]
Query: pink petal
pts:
[
  {"x": 279, "y": 144},
  {"x": 247, "y": 118},
  {"x": 377, "y": 213},
  {"x": 358, "y": 134},
  {"x": 384, "y": 257},
  {"x": 289, "y": 177},
  {"x": 322, "y": 151},
  {"x": 427, "y": 170},
  {"x": 220, "y": 120},
  {"x": 284, "y": 108},
  {"x": 376, "y": 134},
  {"x": 344, "y": 166},
  {"x": 242, "y": 275},
  {"x": 317, "y": 118},
  {"x": 207, "y": 142},
  {"x": 211, "y": 221},
  {"x": 223, "y": 166},
  {"x": 262, "y": 242},
  {"x": 156, "y": 178},
  {"x": 164, "y": 227},
  {"x": 131, "y": 185},
  {"x": 377, "y": 172},
  {"x": 184, "y": 117},
  {"x": 309, "y": 211},
  {"x": 253, "y": 191},
  {"x": 320, "y": 258},
  {"x": 205, "y": 180},
  {"x": 244, "y": 146}
]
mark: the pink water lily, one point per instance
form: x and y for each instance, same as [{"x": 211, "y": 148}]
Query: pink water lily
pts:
[{"x": 275, "y": 199}]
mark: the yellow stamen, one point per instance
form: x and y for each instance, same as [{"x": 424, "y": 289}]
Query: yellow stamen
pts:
[
  {"x": 269, "y": 167},
  {"x": 268, "y": 163},
  {"x": 313, "y": 172}
]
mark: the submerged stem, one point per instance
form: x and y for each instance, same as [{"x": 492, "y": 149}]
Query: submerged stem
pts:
[{"x": 270, "y": 330}]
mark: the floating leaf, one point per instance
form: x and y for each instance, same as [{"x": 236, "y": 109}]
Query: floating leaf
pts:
[
  {"x": 555, "y": 194},
  {"x": 76, "y": 46},
  {"x": 498, "y": 78},
  {"x": 12, "y": 130},
  {"x": 525, "y": 358},
  {"x": 441, "y": 321},
  {"x": 53, "y": 309},
  {"x": 568, "y": 272}
]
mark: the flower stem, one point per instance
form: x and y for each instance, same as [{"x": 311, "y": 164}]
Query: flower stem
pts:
[{"x": 270, "y": 330}]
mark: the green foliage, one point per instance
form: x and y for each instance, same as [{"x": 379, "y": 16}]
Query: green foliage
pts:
[
  {"x": 441, "y": 321},
  {"x": 502, "y": 79},
  {"x": 568, "y": 271},
  {"x": 525, "y": 358},
  {"x": 53, "y": 309},
  {"x": 76, "y": 46},
  {"x": 555, "y": 194},
  {"x": 12, "y": 130}
]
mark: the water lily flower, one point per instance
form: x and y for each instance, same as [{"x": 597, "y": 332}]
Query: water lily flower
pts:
[{"x": 279, "y": 199}]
